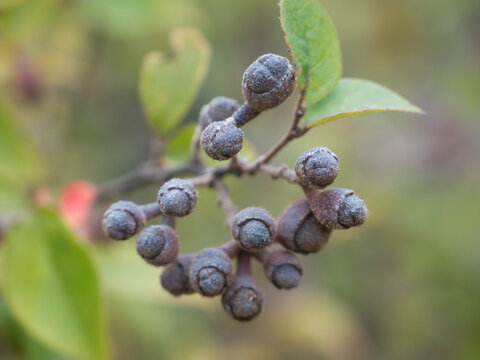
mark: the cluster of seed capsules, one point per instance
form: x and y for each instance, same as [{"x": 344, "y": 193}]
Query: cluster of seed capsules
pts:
[{"x": 304, "y": 226}]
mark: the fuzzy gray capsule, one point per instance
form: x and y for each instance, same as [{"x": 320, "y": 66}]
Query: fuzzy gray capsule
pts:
[
  {"x": 158, "y": 245},
  {"x": 175, "y": 278},
  {"x": 244, "y": 299},
  {"x": 177, "y": 197},
  {"x": 317, "y": 167},
  {"x": 254, "y": 228},
  {"x": 123, "y": 220},
  {"x": 338, "y": 208},
  {"x": 220, "y": 108},
  {"x": 211, "y": 272},
  {"x": 299, "y": 230},
  {"x": 222, "y": 140},
  {"x": 283, "y": 269},
  {"x": 268, "y": 82}
]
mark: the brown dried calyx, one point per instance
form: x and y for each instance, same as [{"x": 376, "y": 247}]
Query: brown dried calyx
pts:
[{"x": 338, "y": 208}]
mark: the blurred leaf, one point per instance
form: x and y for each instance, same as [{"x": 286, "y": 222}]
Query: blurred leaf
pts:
[
  {"x": 313, "y": 42},
  {"x": 30, "y": 20},
  {"x": 52, "y": 287},
  {"x": 12, "y": 195},
  {"x": 169, "y": 87},
  {"x": 5, "y": 4},
  {"x": 354, "y": 97},
  {"x": 249, "y": 151},
  {"x": 17, "y": 339},
  {"x": 141, "y": 18},
  {"x": 124, "y": 16},
  {"x": 178, "y": 148},
  {"x": 18, "y": 159}
]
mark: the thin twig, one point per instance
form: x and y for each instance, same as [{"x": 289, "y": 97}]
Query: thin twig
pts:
[
  {"x": 169, "y": 221},
  {"x": 224, "y": 201},
  {"x": 231, "y": 248},
  {"x": 144, "y": 175},
  {"x": 243, "y": 263},
  {"x": 153, "y": 174},
  {"x": 293, "y": 132},
  {"x": 195, "y": 146},
  {"x": 260, "y": 255}
]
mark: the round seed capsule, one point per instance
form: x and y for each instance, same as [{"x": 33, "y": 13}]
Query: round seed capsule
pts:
[
  {"x": 283, "y": 269},
  {"x": 158, "y": 245},
  {"x": 220, "y": 108},
  {"x": 338, "y": 208},
  {"x": 254, "y": 228},
  {"x": 123, "y": 220},
  {"x": 317, "y": 167},
  {"x": 244, "y": 299},
  {"x": 268, "y": 81},
  {"x": 211, "y": 273},
  {"x": 299, "y": 230},
  {"x": 221, "y": 140},
  {"x": 177, "y": 197},
  {"x": 175, "y": 278}
]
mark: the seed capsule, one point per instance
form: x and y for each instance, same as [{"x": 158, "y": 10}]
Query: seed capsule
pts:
[
  {"x": 211, "y": 272},
  {"x": 158, "y": 245},
  {"x": 283, "y": 269},
  {"x": 254, "y": 228},
  {"x": 175, "y": 277},
  {"x": 268, "y": 81},
  {"x": 177, "y": 197},
  {"x": 220, "y": 108},
  {"x": 317, "y": 167},
  {"x": 299, "y": 230},
  {"x": 244, "y": 299},
  {"x": 338, "y": 208},
  {"x": 222, "y": 140},
  {"x": 123, "y": 220}
]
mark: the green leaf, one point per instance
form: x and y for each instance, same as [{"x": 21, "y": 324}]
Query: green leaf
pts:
[
  {"x": 313, "y": 43},
  {"x": 52, "y": 287},
  {"x": 178, "y": 148},
  {"x": 354, "y": 97},
  {"x": 18, "y": 159},
  {"x": 169, "y": 87}
]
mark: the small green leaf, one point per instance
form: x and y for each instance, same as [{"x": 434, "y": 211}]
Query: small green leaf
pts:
[
  {"x": 354, "y": 97},
  {"x": 178, "y": 148},
  {"x": 169, "y": 87},
  {"x": 313, "y": 42},
  {"x": 18, "y": 159},
  {"x": 52, "y": 287}
]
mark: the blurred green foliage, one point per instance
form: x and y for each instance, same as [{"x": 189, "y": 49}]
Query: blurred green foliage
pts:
[{"x": 404, "y": 286}]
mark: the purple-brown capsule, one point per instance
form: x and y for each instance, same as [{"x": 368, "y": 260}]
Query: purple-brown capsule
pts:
[
  {"x": 254, "y": 228},
  {"x": 211, "y": 272},
  {"x": 123, "y": 220},
  {"x": 175, "y": 278},
  {"x": 222, "y": 140},
  {"x": 299, "y": 230},
  {"x": 283, "y": 269},
  {"x": 338, "y": 208},
  {"x": 268, "y": 82},
  {"x": 158, "y": 245},
  {"x": 244, "y": 299},
  {"x": 317, "y": 167},
  {"x": 220, "y": 108},
  {"x": 177, "y": 197}
]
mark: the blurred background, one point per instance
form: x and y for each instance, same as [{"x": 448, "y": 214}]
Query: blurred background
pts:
[{"x": 404, "y": 286}]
